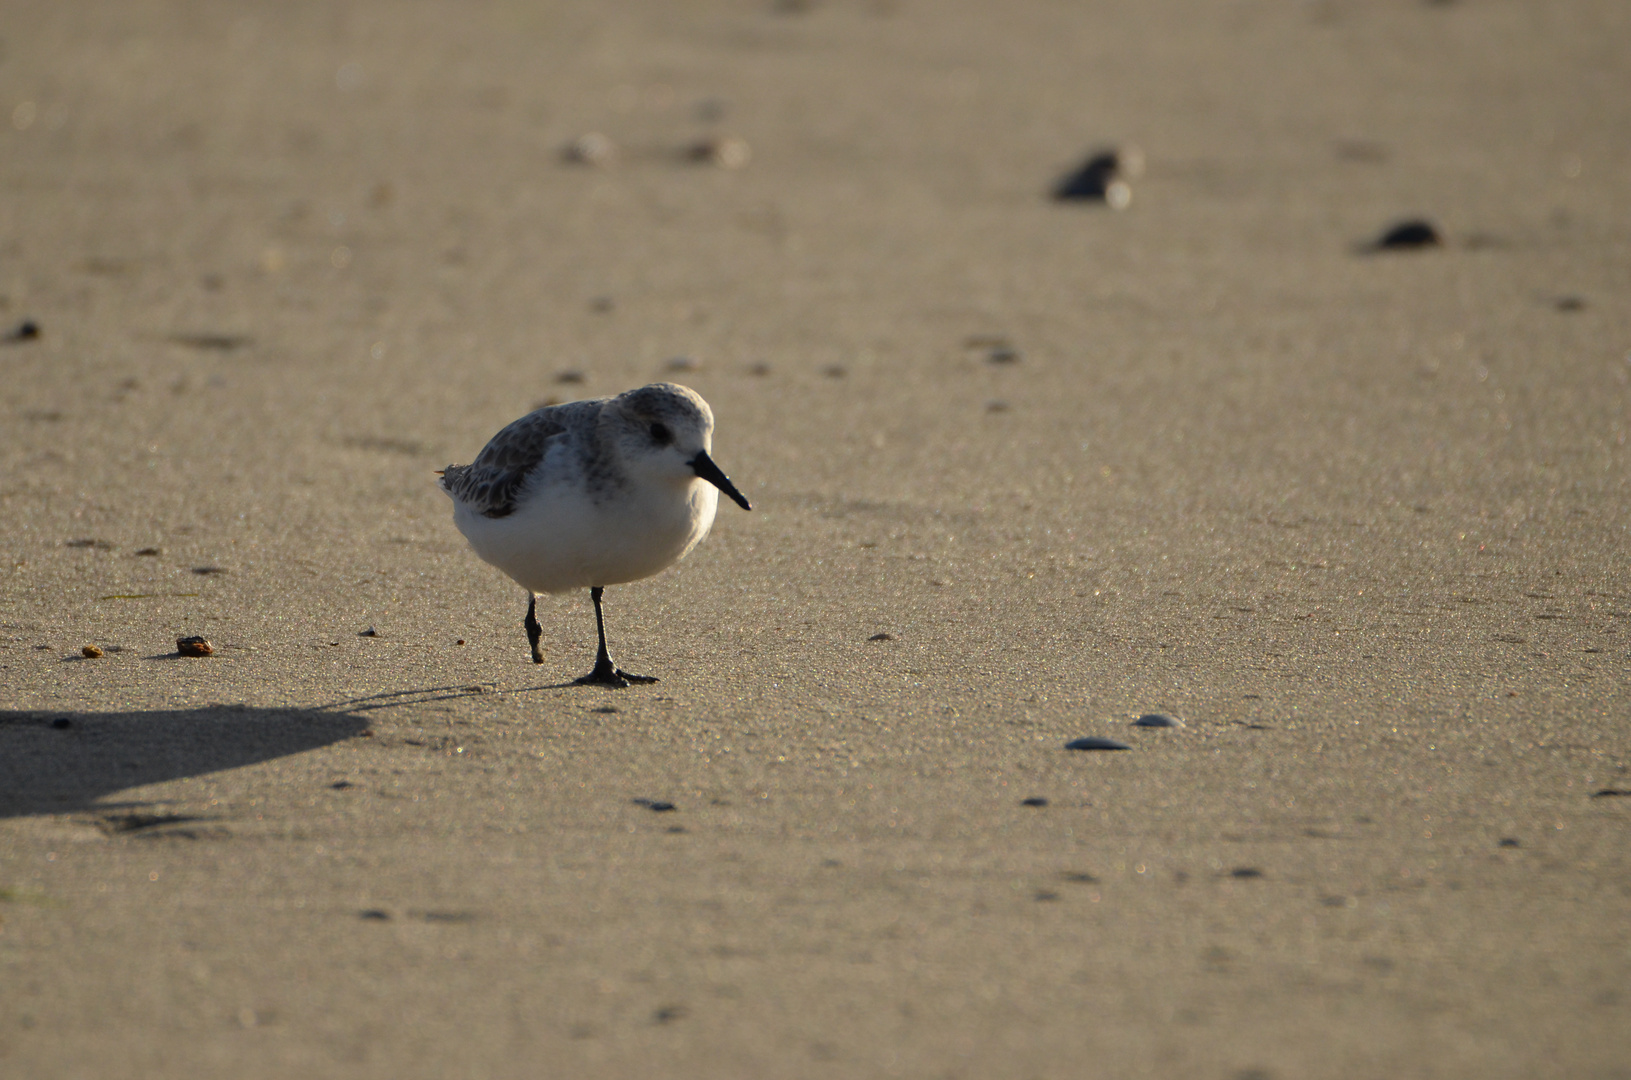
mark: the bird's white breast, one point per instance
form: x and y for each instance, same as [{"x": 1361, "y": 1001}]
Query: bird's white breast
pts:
[{"x": 563, "y": 535}]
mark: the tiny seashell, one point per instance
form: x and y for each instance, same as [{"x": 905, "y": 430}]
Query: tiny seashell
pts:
[
  {"x": 724, "y": 151},
  {"x": 591, "y": 148}
]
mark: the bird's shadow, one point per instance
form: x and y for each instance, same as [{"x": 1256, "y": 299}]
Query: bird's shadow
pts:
[
  {"x": 63, "y": 761},
  {"x": 55, "y": 762}
]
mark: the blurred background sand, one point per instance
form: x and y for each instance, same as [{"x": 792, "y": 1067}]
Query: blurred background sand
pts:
[{"x": 1359, "y": 519}]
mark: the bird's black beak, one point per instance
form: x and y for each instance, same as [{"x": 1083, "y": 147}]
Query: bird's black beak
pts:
[{"x": 704, "y": 466}]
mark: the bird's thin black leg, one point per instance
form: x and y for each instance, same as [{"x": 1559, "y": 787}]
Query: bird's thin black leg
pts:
[
  {"x": 534, "y": 631},
  {"x": 607, "y": 673}
]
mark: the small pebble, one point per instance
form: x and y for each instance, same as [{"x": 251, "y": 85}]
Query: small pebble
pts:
[
  {"x": 340, "y": 785},
  {"x": 1156, "y": 720},
  {"x": 569, "y": 377},
  {"x": 1035, "y": 800},
  {"x": 149, "y": 551},
  {"x": 1508, "y": 841},
  {"x": 725, "y": 152},
  {"x": 459, "y": 642},
  {"x": 205, "y": 571},
  {"x": 370, "y": 632},
  {"x": 194, "y": 646},
  {"x": 834, "y": 371},
  {"x": 997, "y": 405},
  {"x": 374, "y": 913},
  {"x": 1569, "y": 303},
  {"x": 1246, "y": 872},
  {"x": 681, "y": 364},
  {"x": 27, "y": 330},
  {"x": 656, "y": 805},
  {"x": 592, "y": 148},
  {"x": 1610, "y": 793},
  {"x": 1094, "y": 742},
  {"x": 90, "y": 652},
  {"x": 882, "y": 637},
  {"x": 1002, "y": 354},
  {"x": 1408, "y": 236}
]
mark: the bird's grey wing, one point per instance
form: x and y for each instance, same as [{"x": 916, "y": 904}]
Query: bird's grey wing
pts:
[{"x": 492, "y": 483}]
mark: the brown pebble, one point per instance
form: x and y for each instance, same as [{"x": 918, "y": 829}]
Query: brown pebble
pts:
[
  {"x": 459, "y": 642},
  {"x": 194, "y": 646},
  {"x": 90, "y": 652},
  {"x": 882, "y": 637}
]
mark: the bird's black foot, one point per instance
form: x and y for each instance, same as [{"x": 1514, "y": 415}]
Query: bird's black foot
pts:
[{"x": 609, "y": 674}]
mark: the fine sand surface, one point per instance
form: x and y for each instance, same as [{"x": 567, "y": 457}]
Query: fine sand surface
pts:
[{"x": 1359, "y": 519}]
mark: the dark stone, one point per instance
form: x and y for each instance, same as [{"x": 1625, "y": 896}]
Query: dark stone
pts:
[
  {"x": 1409, "y": 236},
  {"x": 1094, "y": 742}
]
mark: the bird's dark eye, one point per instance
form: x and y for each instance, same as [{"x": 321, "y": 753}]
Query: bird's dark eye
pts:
[{"x": 661, "y": 435}]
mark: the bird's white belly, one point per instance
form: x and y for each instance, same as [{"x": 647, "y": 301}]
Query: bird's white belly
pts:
[{"x": 558, "y": 539}]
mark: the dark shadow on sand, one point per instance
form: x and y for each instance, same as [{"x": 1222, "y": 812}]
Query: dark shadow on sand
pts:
[{"x": 54, "y": 762}]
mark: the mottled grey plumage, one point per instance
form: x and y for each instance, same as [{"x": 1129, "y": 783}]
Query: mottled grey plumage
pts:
[{"x": 492, "y": 484}]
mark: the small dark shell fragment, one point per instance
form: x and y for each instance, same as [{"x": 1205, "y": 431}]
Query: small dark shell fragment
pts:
[
  {"x": 194, "y": 646},
  {"x": 1094, "y": 742},
  {"x": 1409, "y": 236},
  {"x": 27, "y": 330},
  {"x": 1156, "y": 720},
  {"x": 1101, "y": 178},
  {"x": 1035, "y": 800}
]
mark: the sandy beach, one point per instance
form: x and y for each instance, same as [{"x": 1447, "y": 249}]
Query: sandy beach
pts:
[{"x": 1023, "y": 470}]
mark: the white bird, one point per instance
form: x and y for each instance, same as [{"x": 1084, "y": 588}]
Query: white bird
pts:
[{"x": 590, "y": 494}]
